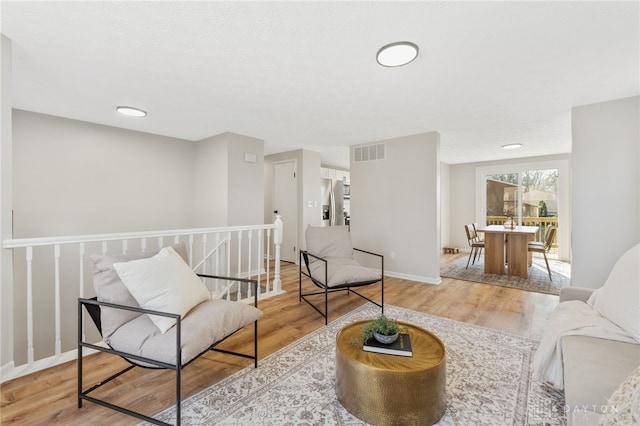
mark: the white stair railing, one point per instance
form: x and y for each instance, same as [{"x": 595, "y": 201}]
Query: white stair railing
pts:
[{"x": 51, "y": 273}]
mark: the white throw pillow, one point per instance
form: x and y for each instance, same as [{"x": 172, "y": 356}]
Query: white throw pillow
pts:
[
  {"x": 163, "y": 283},
  {"x": 618, "y": 299}
]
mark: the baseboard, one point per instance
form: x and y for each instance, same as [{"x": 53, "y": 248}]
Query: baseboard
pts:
[
  {"x": 10, "y": 371},
  {"x": 418, "y": 278}
]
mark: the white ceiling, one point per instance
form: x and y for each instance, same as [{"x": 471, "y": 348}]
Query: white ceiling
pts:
[{"x": 304, "y": 75}]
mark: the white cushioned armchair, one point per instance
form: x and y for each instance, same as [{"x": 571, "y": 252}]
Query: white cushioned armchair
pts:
[
  {"x": 154, "y": 312},
  {"x": 330, "y": 264}
]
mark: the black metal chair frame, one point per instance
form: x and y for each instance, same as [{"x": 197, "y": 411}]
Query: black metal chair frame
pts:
[
  {"x": 348, "y": 287},
  {"x": 93, "y": 308}
]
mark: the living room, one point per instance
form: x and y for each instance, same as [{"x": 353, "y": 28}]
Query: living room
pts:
[{"x": 64, "y": 173}]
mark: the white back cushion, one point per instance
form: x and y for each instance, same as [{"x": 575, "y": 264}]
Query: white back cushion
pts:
[
  {"x": 164, "y": 283},
  {"x": 618, "y": 299},
  {"x": 333, "y": 242}
]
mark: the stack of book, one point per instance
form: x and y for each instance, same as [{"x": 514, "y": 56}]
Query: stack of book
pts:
[{"x": 401, "y": 347}]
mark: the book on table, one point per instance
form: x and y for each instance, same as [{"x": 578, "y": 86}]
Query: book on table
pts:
[{"x": 402, "y": 346}]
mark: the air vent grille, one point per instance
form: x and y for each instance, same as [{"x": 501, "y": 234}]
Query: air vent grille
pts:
[{"x": 368, "y": 152}]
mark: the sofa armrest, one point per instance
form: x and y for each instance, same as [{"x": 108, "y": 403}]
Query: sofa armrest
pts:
[{"x": 575, "y": 293}]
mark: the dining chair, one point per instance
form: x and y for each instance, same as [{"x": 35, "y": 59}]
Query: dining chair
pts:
[
  {"x": 474, "y": 242},
  {"x": 545, "y": 246}
]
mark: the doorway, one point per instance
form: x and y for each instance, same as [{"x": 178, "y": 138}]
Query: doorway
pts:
[{"x": 286, "y": 205}]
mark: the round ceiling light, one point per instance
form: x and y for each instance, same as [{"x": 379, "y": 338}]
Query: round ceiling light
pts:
[
  {"x": 131, "y": 111},
  {"x": 397, "y": 54},
  {"x": 512, "y": 146}
]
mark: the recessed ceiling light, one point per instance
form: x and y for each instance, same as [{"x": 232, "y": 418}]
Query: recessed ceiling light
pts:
[
  {"x": 397, "y": 54},
  {"x": 131, "y": 111},
  {"x": 512, "y": 146}
]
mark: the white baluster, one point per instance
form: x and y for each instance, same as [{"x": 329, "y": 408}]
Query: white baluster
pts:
[
  {"x": 217, "y": 265},
  {"x": 176, "y": 239},
  {"x": 105, "y": 247},
  {"x": 277, "y": 239},
  {"x": 143, "y": 245},
  {"x": 266, "y": 284},
  {"x": 81, "y": 252},
  {"x": 191, "y": 250},
  {"x": 228, "y": 267},
  {"x": 125, "y": 246},
  {"x": 160, "y": 242},
  {"x": 239, "y": 295},
  {"x": 250, "y": 236},
  {"x": 30, "y": 305},
  {"x": 260, "y": 261},
  {"x": 58, "y": 341},
  {"x": 205, "y": 239}
]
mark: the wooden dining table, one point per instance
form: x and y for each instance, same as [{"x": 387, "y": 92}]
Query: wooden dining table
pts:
[{"x": 506, "y": 250}]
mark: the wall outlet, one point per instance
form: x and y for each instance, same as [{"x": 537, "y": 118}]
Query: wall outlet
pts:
[{"x": 392, "y": 254}]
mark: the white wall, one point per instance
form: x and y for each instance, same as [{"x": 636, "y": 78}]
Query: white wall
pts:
[
  {"x": 211, "y": 182},
  {"x": 397, "y": 207},
  {"x": 6, "y": 203},
  {"x": 445, "y": 205},
  {"x": 228, "y": 190},
  {"x": 245, "y": 199},
  {"x": 73, "y": 177},
  {"x": 606, "y": 187}
]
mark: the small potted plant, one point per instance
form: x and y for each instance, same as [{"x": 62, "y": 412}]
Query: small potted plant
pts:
[{"x": 384, "y": 330}]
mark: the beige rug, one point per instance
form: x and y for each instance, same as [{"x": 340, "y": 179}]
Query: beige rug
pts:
[
  {"x": 488, "y": 381},
  {"x": 537, "y": 281}
]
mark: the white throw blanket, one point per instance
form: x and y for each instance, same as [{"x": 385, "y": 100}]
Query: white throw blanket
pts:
[{"x": 571, "y": 318}]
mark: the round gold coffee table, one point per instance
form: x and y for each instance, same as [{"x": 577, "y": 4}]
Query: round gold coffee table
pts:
[{"x": 386, "y": 389}]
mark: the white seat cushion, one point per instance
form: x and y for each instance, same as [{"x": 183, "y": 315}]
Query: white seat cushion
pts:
[
  {"x": 343, "y": 271},
  {"x": 208, "y": 322}
]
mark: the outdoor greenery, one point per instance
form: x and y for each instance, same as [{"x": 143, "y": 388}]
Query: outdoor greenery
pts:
[{"x": 543, "y": 180}]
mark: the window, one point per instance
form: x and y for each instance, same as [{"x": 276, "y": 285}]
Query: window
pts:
[{"x": 534, "y": 194}]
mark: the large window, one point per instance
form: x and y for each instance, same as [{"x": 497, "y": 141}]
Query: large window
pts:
[{"x": 533, "y": 194}]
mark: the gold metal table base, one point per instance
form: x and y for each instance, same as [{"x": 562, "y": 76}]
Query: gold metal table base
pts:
[{"x": 389, "y": 389}]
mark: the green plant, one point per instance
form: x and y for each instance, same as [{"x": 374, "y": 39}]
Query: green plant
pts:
[{"x": 381, "y": 325}]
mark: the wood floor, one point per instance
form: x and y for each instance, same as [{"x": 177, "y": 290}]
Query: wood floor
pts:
[{"x": 49, "y": 397}]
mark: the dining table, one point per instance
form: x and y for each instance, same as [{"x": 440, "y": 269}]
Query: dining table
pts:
[{"x": 506, "y": 249}]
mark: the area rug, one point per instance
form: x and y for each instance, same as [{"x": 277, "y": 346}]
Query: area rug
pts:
[
  {"x": 537, "y": 281},
  {"x": 488, "y": 381}
]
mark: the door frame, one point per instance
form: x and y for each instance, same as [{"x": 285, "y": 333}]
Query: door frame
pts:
[{"x": 294, "y": 161}]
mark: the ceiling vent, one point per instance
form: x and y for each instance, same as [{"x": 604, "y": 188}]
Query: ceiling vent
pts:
[{"x": 368, "y": 152}]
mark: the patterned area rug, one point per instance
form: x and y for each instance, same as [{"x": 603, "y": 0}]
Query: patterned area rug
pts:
[
  {"x": 488, "y": 381},
  {"x": 537, "y": 281}
]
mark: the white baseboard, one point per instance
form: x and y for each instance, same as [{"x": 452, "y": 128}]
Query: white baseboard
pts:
[
  {"x": 418, "y": 278},
  {"x": 9, "y": 371}
]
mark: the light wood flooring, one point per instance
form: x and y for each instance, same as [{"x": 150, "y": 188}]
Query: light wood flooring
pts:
[{"x": 49, "y": 397}]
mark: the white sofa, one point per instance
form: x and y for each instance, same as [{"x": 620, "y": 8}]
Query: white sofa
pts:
[
  {"x": 593, "y": 369},
  {"x": 591, "y": 348}
]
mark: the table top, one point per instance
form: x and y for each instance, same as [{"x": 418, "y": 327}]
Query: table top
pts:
[
  {"x": 428, "y": 350},
  {"x": 516, "y": 230}
]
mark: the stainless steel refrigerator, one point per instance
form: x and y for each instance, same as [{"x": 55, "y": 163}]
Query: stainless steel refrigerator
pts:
[{"x": 332, "y": 197}]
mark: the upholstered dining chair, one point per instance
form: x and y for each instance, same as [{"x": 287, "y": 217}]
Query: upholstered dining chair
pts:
[
  {"x": 545, "y": 246},
  {"x": 330, "y": 264},
  {"x": 475, "y": 243}
]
